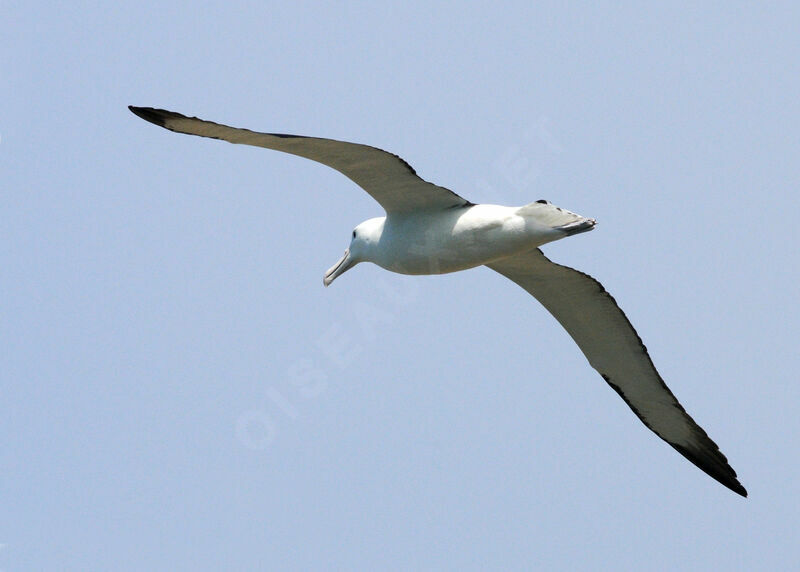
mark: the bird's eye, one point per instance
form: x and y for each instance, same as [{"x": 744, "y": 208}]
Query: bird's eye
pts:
[{"x": 354, "y": 234}]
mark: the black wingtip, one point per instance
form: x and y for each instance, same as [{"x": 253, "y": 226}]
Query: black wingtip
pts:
[
  {"x": 705, "y": 455},
  {"x": 736, "y": 487},
  {"x": 155, "y": 116},
  {"x": 716, "y": 466}
]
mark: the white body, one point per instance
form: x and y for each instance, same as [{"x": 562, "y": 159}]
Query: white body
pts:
[{"x": 439, "y": 242}]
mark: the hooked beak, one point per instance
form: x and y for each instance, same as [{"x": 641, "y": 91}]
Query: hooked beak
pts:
[{"x": 344, "y": 264}]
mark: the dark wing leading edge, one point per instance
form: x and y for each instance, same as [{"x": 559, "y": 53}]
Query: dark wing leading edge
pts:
[
  {"x": 607, "y": 339},
  {"x": 390, "y": 180}
]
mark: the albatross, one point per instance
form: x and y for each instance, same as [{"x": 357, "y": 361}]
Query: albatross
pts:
[{"x": 429, "y": 229}]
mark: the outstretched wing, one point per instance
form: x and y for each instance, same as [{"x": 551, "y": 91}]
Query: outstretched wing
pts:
[
  {"x": 386, "y": 177},
  {"x": 607, "y": 339}
]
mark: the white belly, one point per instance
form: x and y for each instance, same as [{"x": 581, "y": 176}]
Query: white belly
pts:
[{"x": 455, "y": 240}]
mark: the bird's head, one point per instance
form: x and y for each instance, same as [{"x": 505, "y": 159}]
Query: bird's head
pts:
[{"x": 363, "y": 244}]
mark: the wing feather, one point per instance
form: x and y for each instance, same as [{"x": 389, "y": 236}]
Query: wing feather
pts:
[
  {"x": 386, "y": 177},
  {"x": 610, "y": 343}
]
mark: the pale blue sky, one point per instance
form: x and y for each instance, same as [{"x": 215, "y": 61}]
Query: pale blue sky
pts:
[{"x": 161, "y": 296}]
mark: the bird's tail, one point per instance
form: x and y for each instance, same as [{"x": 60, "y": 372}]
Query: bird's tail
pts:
[{"x": 548, "y": 214}]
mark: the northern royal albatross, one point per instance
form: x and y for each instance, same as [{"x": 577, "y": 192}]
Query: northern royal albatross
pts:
[{"x": 431, "y": 230}]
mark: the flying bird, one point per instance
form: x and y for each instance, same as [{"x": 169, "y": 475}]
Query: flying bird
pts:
[{"x": 429, "y": 229}]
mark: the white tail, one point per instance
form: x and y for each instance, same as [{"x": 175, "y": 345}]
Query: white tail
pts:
[{"x": 548, "y": 214}]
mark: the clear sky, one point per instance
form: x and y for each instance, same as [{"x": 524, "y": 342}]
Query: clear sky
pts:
[{"x": 179, "y": 391}]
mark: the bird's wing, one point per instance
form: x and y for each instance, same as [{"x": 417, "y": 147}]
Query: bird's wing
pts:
[
  {"x": 607, "y": 339},
  {"x": 388, "y": 178}
]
